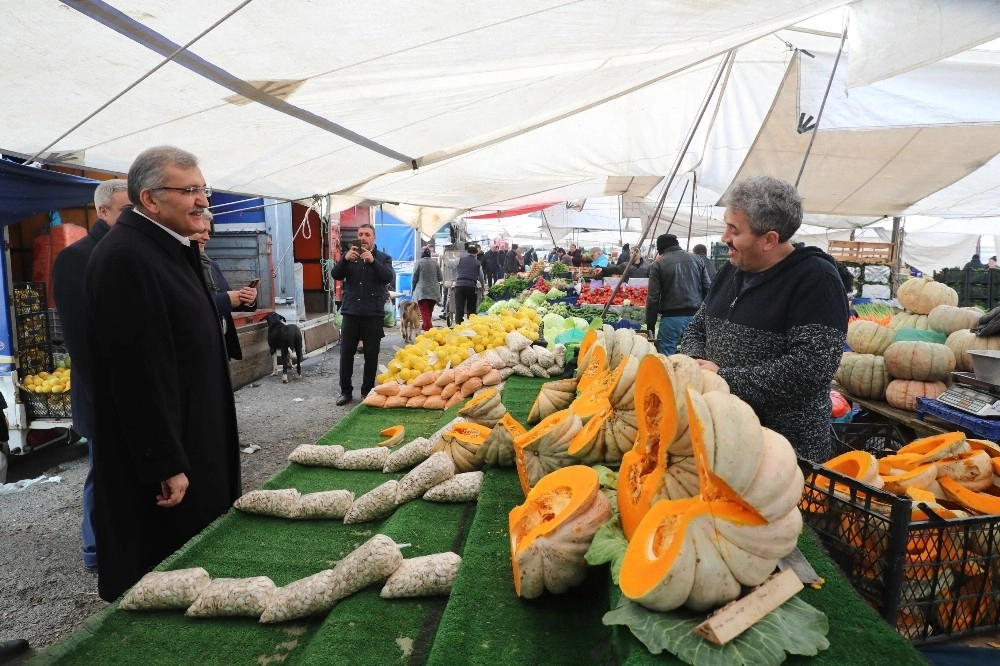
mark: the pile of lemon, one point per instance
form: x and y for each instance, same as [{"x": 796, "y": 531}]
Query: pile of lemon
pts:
[
  {"x": 438, "y": 348},
  {"x": 45, "y": 382}
]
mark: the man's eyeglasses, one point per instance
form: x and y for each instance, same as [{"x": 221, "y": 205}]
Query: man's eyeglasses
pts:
[{"x": 190, "y": 191}]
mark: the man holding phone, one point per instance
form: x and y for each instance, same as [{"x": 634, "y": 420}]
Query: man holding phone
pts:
[
  {"x": 227, "y": 300},
  {"x": 366, "y": 273}
]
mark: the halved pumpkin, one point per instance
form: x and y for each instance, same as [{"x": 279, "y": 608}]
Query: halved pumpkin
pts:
[
  {"x": 498, "y": 447},
  {"x": 551, "y": 532},
  {"x": 394, "y": 435},
  {"x": 462, "y": 441},
  {"x": 545, "y": 448},
  {"x": 484, "y": 407},
  {"x": 552, "y": 397},
  {"x": 699, "y": 552}
]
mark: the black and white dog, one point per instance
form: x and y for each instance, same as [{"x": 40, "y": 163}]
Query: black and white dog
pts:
[{"x": 282, "y": 337}]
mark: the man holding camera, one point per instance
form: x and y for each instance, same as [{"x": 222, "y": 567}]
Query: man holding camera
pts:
[{"x": 367, "y": 274}]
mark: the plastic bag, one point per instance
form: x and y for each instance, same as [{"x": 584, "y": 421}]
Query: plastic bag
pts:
[
  {"x": 569, "y": 336},
  {"x": 390, "y": 315}
]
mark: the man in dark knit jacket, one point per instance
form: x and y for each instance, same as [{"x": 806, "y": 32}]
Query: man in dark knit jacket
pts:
[{"x": 775, "y": 320}]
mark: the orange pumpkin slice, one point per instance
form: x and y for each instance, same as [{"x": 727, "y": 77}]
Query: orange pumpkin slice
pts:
[
  {"x": 981, "y": 503},
  {"x": 918, "y": 477},
  {"x": 991, "y": 448},
  {"x": 973, "y": 469},
  {"x": 936, "y": 447},
  {"x": 859, "y": 465},
  {"x": 394, "y": 436},
  {"x": 642, "y": 469},
  {"x": 597, "y": 365},
  {"x": 589, "y": 444}
]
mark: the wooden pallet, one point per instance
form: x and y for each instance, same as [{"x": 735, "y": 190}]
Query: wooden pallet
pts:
[{"x": 860, "y": 252}]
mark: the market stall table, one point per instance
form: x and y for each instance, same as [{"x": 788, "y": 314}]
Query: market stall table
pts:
[
  {"x": 897, "y": 416},
  {"x": 482, "y": 622}
]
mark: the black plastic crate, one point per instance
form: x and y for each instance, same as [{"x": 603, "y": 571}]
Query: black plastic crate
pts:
[
  {"x": 931, "y": 579},
  {"x": 32, "y": 359},
  {"x": 55, "y": 327},
  {"x": 29, "y": 298},
  {"x": 875, "y": 438},
  {"x": 47, "y": 405},
  {"x": 32, "y": 329}
]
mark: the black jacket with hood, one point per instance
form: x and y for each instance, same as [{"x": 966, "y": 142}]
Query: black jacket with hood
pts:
[{"x": 778, "y": 343}]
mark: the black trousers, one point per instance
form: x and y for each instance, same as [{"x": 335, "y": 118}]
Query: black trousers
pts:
[
  {"x": 369, "y": 331},
  {"x": 465, "y": 302}
]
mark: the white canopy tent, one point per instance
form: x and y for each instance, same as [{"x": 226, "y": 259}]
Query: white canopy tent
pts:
[{"x": 436, "y": 108}]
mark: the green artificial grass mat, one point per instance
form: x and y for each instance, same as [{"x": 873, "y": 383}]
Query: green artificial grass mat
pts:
[{"x": 482, "y": 622}]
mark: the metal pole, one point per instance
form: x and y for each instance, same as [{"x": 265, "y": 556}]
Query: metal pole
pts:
[
  {"x": 897, "y": 259},
  {"x": 691, "y": 217},
  {"x": 819, "y": 114},
  {"x": 724, "y": 67}
]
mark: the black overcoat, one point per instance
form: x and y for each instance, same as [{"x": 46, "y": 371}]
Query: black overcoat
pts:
[
  {"x": 163, "y": 401},
  {"x": 67, "y": 288}
]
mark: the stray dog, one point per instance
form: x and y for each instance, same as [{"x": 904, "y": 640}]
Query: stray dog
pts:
[
  {"x": 409, "y": 320},
  {"x": 284, "y": 337}
]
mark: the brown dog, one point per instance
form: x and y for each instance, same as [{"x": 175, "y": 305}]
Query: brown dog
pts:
[{"x": 409, "y": 320}]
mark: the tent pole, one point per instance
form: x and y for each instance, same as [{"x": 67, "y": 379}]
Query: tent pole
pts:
[
  {"x": 897, "y": 259},
  {"x": 691, "y": 217},
  {"x": 822, "y": 105},
  {"x": 673, "y": 217},
  {"x": 724, "y": 66},
  {"x": 551, "y": 235}
]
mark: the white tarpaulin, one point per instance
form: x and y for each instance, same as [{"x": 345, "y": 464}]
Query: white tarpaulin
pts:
[
  {"x": 884, "y": 147},
  {"x": 290, "y": 99},
  {"x": 957, "y": 27},
  {"x": 495, "y": 104}
]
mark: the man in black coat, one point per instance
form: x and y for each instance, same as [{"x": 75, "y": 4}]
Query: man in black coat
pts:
[
  {"x": 166, "y": 462},
  {"x": 490, "y": 266},
  {"x": 367, "y": 274},
  {"x": 110, "y": 198},
  {"x": 513, "y": 263}
]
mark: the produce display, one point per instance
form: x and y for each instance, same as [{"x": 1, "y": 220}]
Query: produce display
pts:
[
  {"x": 701, "y": 504},
  {"x": 946, "y": 468},
  {"x": 626, "y": 295},
  {"x": 58, "y": 381},
  {"x": 948, "y": 478},
  {"x": 910, "y": 354}
]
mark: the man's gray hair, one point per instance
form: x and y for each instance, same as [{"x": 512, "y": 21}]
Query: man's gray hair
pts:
[
  {"x": 770, "y": 204},
  {"x": 147, "y": 171},
  {"x": 207, "y": 215},
  {"x": 107, "y": 189}
]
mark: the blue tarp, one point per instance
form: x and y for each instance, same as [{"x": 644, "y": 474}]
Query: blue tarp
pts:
[
  {"x": 25, "y": 191},
  {"x": 395, "y": 237}
]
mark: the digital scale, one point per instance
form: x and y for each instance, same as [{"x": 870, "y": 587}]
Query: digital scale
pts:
[{"x": 972, "y": 395}]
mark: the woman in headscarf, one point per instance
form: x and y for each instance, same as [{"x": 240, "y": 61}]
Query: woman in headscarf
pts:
[{"x": 426, "y": 286}]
